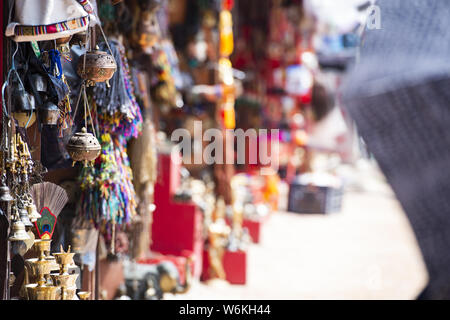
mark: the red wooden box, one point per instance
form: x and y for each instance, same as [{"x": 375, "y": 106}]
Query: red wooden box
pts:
[{"x": 234, "y": 263}]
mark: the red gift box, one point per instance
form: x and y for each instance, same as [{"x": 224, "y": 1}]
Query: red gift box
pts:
[{"x": 176, "y": 227}]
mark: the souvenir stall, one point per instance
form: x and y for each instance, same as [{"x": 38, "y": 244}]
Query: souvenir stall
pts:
[
  {"x": 97, "y": 200},
  {"x": 82, "y": 95}
]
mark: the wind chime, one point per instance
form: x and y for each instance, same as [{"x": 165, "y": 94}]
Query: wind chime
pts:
[
  {"x": 95, "y": 66},
  {"x": 16, "y": 163},
  {"x": 21, "y": 166}
]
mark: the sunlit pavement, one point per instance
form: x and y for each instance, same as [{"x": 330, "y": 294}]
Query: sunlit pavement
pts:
[{"x": 367, "y": 251}]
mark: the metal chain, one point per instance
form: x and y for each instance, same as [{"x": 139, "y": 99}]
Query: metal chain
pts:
[{"x": 104, "y": 36}]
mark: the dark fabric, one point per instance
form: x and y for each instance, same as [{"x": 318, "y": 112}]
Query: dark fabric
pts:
[
  {"x": 53, "y": 152},
  {"x": 412, "y": 46},
  {"x": 28, "y": 64},
  {"x": 113, "y": 99},
  {"x": 399, "y": 97}
]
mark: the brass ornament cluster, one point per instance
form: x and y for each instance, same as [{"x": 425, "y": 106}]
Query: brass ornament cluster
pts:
[
  {"x": 48, "y": 276},
  {"x": 20, "y": 164}
]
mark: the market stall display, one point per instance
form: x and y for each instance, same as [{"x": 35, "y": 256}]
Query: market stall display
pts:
[{"x": 90, "y": 103}]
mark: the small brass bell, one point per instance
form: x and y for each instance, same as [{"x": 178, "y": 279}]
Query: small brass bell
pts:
[
  {"x": 32, "y": 212},
  {"x": 25, "y": 218},
  {"x": 18, "y": 232},
  {"x": 5, "y": 194},
  {"x": 49, "y": 113},
  {"x": 83, "y": 146}
]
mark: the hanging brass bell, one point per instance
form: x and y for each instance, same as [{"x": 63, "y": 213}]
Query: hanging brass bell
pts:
[
  {"x": 83, "y": 146},
  {"x": 32, "y": 212},
  {"x": 25, "y": 218},
  {"x": 49, "y": 113},
  {"x": 5, "y": 194},
  {"x": 100, "y": 66},
  {"x": 18, "y": 232}
]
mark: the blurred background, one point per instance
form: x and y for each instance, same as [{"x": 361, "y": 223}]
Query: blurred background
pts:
[
  {"x": 328, "y": 226},
  {"x": 147, "y": 222}
]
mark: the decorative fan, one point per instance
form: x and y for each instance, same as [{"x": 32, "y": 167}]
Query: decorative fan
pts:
[{"x": 50, "y": 199}]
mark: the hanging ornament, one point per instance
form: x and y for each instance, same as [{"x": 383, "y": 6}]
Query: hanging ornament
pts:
[
  {"x": 23, "y": 214},
  {"x": 96, "y": 66},
  {"x": 65, "y": 120},
  {"x": 226, "y": 33},
  {"x": 107, "y": 189},
  {"x": 116, "y": 107},
  {"x": 83, "y": 146},
  {"x": 18, "y": 232},
  {"x": 228, "y": 100},
  {"x": 32, "y": 212},
  {"x": 5, "y": 194}
]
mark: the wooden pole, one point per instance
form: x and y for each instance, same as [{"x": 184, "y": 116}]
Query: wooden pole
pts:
[{"x": 97, "y": 269}]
